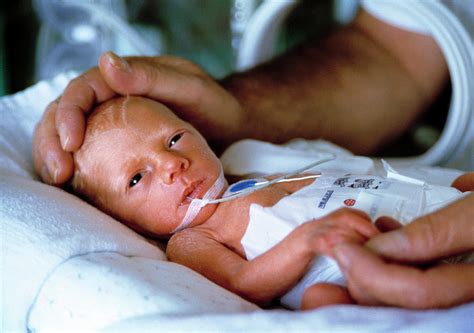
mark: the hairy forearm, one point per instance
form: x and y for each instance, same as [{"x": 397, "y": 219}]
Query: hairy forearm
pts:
[{"x": 347, "y": 88}]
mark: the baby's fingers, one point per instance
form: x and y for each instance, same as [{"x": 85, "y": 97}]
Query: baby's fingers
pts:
[{"x": 356, "y": 220}]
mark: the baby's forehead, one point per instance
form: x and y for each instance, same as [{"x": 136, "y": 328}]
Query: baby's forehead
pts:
[{"x": 128, "y": 112}]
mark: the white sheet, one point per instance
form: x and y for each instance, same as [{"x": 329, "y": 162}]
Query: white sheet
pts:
[
  {"x": 65, "y": 264},
  {"x": 342, "y": 318},
  {"x": 98, "y": 289}
]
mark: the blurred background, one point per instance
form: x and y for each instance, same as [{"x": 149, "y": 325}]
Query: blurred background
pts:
[{"x": 41, "y": 38}]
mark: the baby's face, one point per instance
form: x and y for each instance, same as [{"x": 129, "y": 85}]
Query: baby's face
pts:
[{"x": 149, "y": 168}]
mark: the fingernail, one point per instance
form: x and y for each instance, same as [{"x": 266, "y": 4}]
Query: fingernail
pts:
[
  {"x": 45, "y": 175},
  {"x": 52, "y": 169},
  {"x": 55, "y": 175},
  {"x": 118, "y": 62},
  {"x": 64, "y": 137},
  {"x": 343, "y": 257},
  {"x": 66, "y": 142}
]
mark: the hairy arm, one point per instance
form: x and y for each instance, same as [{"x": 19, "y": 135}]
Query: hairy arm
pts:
[{"x": 360, "y": 87}]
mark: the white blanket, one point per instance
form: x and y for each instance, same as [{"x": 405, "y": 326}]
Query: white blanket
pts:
[
  {"x": 66, "y": 265},
  {"x": 45, "y": 230}
]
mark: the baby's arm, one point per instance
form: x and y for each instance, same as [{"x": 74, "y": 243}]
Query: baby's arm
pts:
[
  {"x": 273, "y": 273},
  {"x": 260, "y": 280}
]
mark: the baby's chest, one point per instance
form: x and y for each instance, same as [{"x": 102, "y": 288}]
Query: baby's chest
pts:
[
  {"x": 238, "y": 209},
  {"x": 235, "y": 213}
]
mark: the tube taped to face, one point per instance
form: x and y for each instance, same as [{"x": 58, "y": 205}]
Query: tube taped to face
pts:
[
  {"x": 250, "y": 186},
  {"x": 196, "y": 204}
]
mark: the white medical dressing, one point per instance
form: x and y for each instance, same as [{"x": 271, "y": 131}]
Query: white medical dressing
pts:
[{"x": 394, "y": 195}]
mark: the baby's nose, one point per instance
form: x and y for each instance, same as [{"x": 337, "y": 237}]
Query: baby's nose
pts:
[{"x": 173, "y": 166}]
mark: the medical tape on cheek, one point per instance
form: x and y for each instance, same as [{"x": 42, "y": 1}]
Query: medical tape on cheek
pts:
[{"x": 196, "y": 204}]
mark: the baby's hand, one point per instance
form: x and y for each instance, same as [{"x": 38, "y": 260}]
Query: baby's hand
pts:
[{"x": 342, "y": 226}]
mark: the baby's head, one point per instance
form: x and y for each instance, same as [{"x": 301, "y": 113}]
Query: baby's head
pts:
[{"x": 141, "y": 164}]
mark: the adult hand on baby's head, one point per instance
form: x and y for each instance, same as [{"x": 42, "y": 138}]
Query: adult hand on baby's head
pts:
[
  {"x": 178, "y": 83},
  {"x": 181, "y": 85},
  {"x": 61, "y": 129},
  {"x": 374, "y": 277}
]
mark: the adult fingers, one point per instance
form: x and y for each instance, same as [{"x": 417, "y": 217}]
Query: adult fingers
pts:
[
  {"x": 83, "y": 92},
  {"x": 183, "y": 86},
  {"x": 386, "y": 223},
  {"x": 464, "y": 182},
  {"x": 442, "y": 233},
  {"x": 52, "y": 163},
  {"x": 78, "y": 99},
  {"x": 167, "y": 79},
  {"x": 372, "y": 281}
]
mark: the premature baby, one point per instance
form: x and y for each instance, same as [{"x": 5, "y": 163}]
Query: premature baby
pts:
[{"x": 143, "y": 165}]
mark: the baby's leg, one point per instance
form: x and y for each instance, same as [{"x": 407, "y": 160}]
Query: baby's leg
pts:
[{"x": 322, "y": 294}]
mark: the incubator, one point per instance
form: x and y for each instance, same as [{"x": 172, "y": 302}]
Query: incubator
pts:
[{"x": 74, "y": 33}]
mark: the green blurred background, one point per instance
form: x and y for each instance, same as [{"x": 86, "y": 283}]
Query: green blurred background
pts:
[{"x": 198, "y": 30}]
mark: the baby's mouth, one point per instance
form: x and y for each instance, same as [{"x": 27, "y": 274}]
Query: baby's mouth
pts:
[{"x": 193, "y": 192}]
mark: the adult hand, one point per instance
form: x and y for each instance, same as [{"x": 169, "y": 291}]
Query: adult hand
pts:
[
  {"x": 180, "y": 84},
  {"x": 344, "y": 225},
  {"x": 381, "y": 272}
]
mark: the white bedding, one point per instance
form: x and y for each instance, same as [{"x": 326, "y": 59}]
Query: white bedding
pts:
[{"x": 66, "y": 265}]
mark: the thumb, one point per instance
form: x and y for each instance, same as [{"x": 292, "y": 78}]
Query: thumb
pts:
[
  {"x": 181, "y": 85},
  {"x": 442, "y": 233},
  {"x": 166, "y": 79}
]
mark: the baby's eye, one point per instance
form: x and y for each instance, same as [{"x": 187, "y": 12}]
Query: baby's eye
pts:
[
  {"x": 175, "y": 139},
  {"x": 135, "y": 179}
]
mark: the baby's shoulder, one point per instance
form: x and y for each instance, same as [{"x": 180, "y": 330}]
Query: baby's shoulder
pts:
[{"x": 190, "y": 239}]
